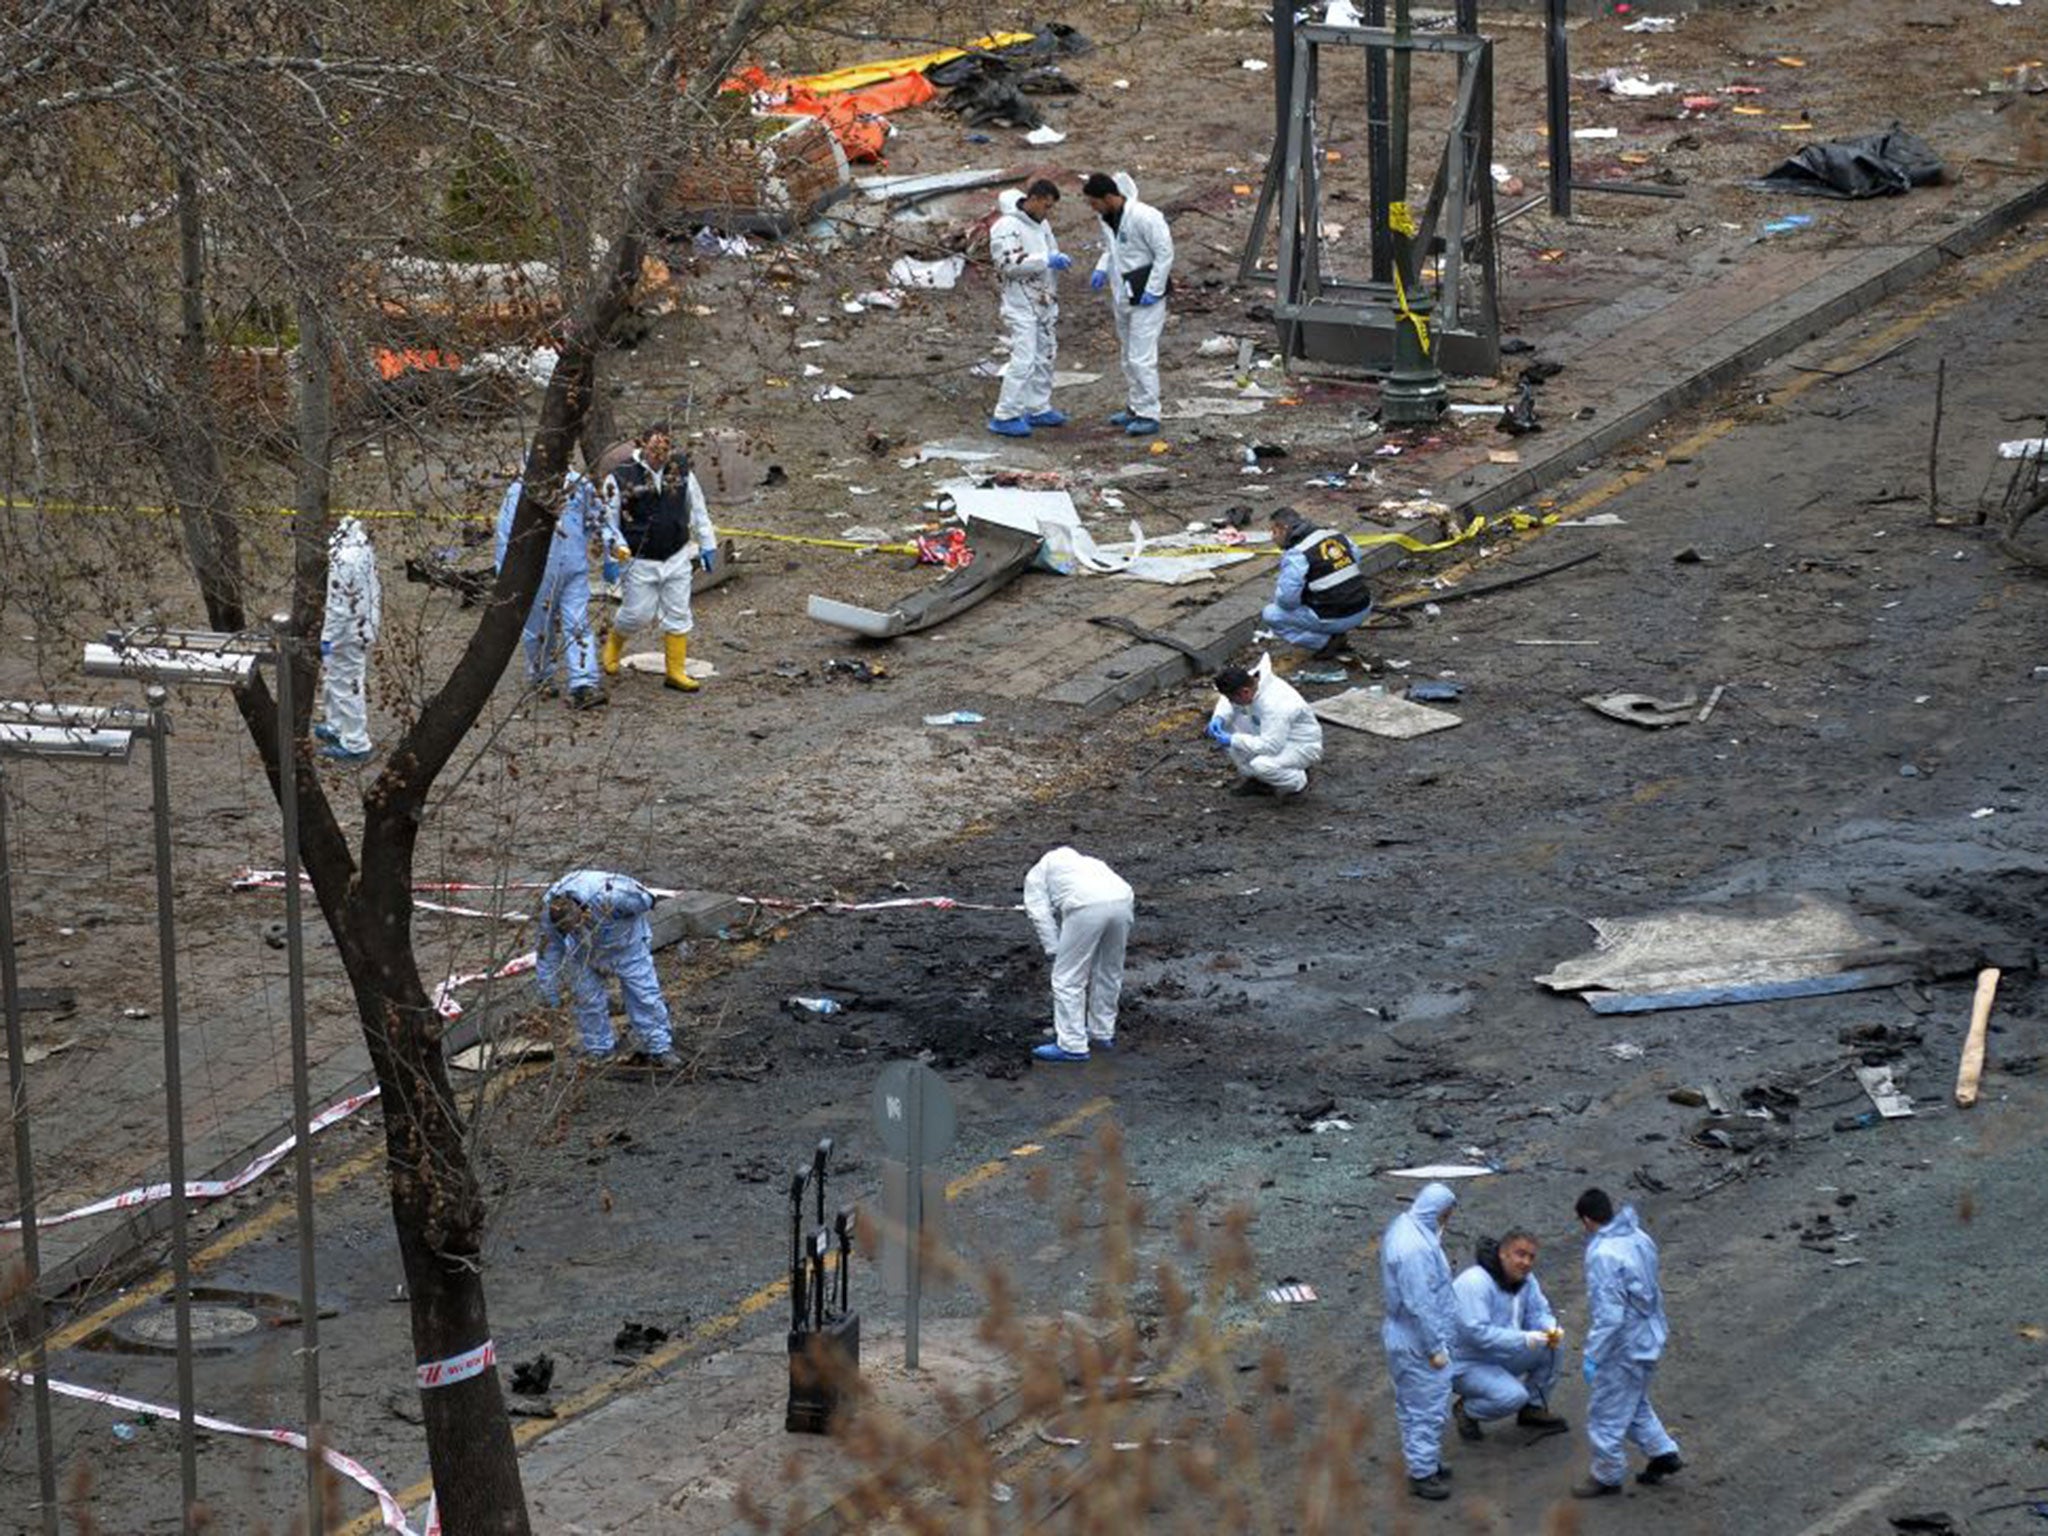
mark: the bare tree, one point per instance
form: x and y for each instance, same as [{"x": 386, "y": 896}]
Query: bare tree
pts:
[{"x": 175, "y": 168}]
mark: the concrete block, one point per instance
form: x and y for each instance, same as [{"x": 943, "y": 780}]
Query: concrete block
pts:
[{"x": 693, "y": 915}]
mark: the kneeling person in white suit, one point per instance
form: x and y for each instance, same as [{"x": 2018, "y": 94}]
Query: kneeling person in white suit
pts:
[{"x": 1083, "y": 911}]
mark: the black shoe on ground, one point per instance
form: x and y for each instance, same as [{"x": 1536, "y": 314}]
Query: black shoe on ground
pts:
[
  {"x": 588, "y": 697},
  {"x": 1468, "y": 1427},
  {"x": 1431, "y": 1487},
  {"x": 1252, "y": 787},
  {"x": 1338, "y": 649},
  {"x": 1660, "y": 1467},
  {"x": 1542, "y": 1420},
  {"x": 1442, "y": 1474},
  {"x": 1593, "y": 1488}
]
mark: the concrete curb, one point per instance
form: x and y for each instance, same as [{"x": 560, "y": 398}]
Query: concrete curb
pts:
[{"x": 1225, "y": 626}]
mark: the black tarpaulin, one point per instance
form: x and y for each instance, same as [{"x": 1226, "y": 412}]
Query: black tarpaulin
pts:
[{"x": 1876, "y": 165}]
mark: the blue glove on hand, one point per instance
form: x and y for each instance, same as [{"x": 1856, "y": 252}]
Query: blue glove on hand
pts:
[
  {"x": 1218, "y": 732},
  {"x": 1059, "y": 261},
  {"x": 1098, "y": 280},
  {"x": 326, "y": 649},
  {"x": 1147, "y": 300},
  {"x": 707, "y": 558},
  {"x": 1586, "y": 1370}
]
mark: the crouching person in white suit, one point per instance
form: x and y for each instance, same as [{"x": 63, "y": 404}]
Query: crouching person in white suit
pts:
[{"x": 1271, "y": 734}]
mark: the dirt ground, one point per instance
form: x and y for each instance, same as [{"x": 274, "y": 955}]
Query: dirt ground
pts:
[{"x": 1372, "y": 945}]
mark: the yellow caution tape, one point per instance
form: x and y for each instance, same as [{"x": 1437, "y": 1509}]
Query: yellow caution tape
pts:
[
  {"x": 1510, "y": 522},
  {"x": 1401, "y": 219},
  {"x": 388, "y": 513},
  {"x": 804, "y": 538}
]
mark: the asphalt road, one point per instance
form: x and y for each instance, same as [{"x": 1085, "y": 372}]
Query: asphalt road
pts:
[{"x": 1369, "y": 950}]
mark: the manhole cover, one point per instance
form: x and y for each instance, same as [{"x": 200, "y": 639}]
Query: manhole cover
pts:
[{"x": 210, "y": 1325}]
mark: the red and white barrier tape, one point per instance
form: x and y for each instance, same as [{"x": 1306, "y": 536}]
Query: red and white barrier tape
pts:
[
  {"x": 936, "y": 903},
  {"x": 273, "y": 880},
  {"x": 445, "y": 1373},
  {"x": 444, "y": 994},
  {"x": 388, "y": 1508},
  {"x": 205, "y": 1189}
]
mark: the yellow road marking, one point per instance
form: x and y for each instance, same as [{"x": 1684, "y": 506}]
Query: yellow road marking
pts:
[{"x": 526, "y": 1431}]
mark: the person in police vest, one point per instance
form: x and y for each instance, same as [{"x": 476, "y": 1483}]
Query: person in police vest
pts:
[
  {"x": 1322, "y": 593},
  {"x": 657, "y": 525}
]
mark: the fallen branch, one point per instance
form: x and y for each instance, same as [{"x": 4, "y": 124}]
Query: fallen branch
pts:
[{"x": 1485, "y": 587}]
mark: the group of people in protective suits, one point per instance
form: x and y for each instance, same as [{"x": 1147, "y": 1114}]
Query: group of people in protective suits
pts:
[{"x": 1486, "y": 1345}]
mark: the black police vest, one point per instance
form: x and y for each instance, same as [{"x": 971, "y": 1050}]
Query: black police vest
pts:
[
  {"x": 1336, "y": 587},
  {"x": 654, "y": 520}
]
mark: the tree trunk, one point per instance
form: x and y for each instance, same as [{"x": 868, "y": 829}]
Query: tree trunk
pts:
[{"x": 438, "y": 1212}]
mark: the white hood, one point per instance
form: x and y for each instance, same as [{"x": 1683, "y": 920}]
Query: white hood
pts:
[{"x": 1010, "y": 200}]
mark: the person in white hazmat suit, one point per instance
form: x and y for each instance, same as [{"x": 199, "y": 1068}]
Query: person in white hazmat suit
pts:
[
  {"x": 355, "y": 612},
  {"x": 1136, "y": 267},
  {"x": 1027, "y": 258},
  {"x": 1083, "y": 911},
  {"x": 1271, "y": 734}
]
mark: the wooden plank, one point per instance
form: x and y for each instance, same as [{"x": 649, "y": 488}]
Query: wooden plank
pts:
[{"x": 1972, "y": 1068}]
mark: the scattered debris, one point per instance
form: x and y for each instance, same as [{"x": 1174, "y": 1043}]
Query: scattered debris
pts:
[
  {"x": 909, "y": 272},
  {"x": 1291, "y": 1292},
  {"x": 954, "y": 717},
  {"x": 1443, "y": 1171},
  {"x": 1877, "y": 1044},
  {"x": 44, "y": 1050},
  {"x": 822, "y": 1007},
  {"x": 1436, "y": 692},
  {"x": 1330, "y": 1123},
  {"x": 639, "y": 1338},
  {"x": 1652, "y": 24},
  {"x": 1379, "y": 714},
  {"x": 1789, "y": 224},
  {"x": 1000, "y": 554},
  {"x": 1884, "y": 1093},
  {"x": 487, "y": 1054},
  {"x": 1044, "y": 135},
  {"x": 1615, "y": 83},
  {"x": 1624, "y": 1050},
  {"x": 532, "y": 1378},
  {"x": 1641, "y": 709},
  {"x": 1694, "y": 958},
  {"x": 1713, "y": 699},
  {"x": 1322, "y": 675}
]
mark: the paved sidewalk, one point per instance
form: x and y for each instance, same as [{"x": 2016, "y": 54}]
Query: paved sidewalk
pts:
[{"x": 678, "y": 1456}]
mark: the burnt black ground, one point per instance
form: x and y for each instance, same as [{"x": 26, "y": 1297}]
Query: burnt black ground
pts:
[{"x": 1372, "y": 946}]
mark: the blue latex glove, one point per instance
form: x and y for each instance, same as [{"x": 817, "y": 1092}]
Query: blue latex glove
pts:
[
  {"x": 1586, "y": 1370},
  {"x": 708, "y": 558},
  {"x": 1098, "y": 280},
  {"x": 1059, "y": 261},
  {"x": 1147, "y": 300},
  {"x": 326, "y": 649},
  {"x": 1218, "y": 732}
]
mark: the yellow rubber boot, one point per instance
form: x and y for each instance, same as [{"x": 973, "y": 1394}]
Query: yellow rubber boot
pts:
[
  {"x": 677, "y": 651},
  {"x": 614, "y": 648}
]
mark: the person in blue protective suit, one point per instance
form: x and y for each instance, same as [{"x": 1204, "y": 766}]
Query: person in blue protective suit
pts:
[
  {"x": 1625, "y": 1334},
  {"x": 1508, "y": 1340},
  {"x": 558, "y": 629},
  {"x": 594, "y": 926},
  {"x": 1322, "y": 593},
  {"x": 1420, "y": 1331}
]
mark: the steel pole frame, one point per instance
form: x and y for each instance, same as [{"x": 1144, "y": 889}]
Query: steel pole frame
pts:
[
  {"x": 25, "y": 1185},
  {"x": 174, "y": 1101},
  {"x": 302, "y": 1094}
]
